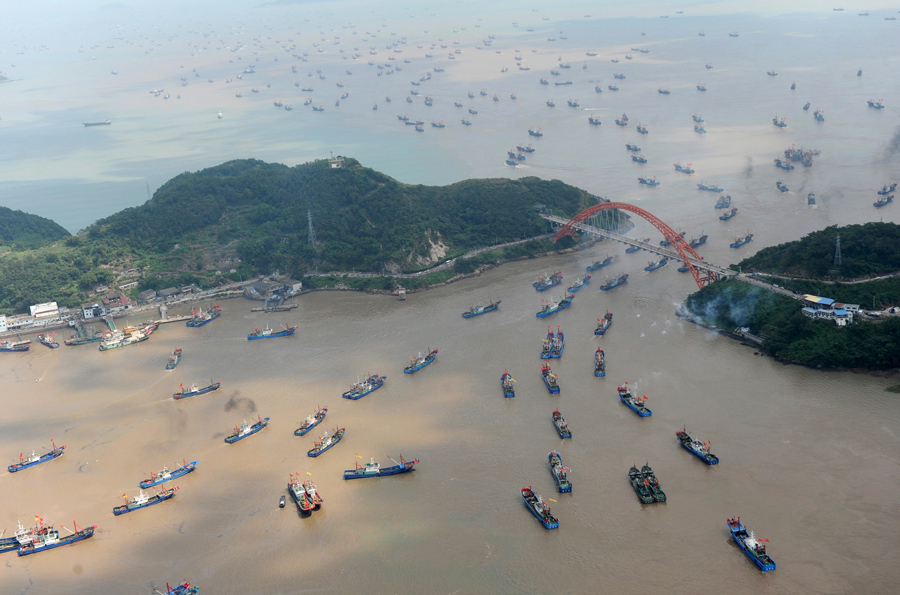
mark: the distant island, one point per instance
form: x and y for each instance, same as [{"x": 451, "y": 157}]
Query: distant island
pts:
[
  {"x": 247, "y": 217},
  {"x": 869, "y": 259}
]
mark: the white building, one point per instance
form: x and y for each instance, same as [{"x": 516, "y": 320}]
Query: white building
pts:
[
  {"x": 3, "y": 323},
  {"x": 45, "y": 312},
  {"x": 816, "y": 307}
]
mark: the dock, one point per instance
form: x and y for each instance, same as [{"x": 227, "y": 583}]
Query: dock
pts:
[{"x": 282, "y": 308}]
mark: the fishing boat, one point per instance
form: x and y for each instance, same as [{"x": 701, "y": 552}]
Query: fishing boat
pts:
[
  {"x": 780, "y": 123},
  {"x": 702, "y": 86},
  {"x": 619, "y": 76},
  {"x": 598, "y": 89},
  {"x": 298, "y": 493},
  {"x": 512, "y": 162},
  {"x": 36, "y": 459},
  {"x": 709, "y": 187},
  {"x": 22, "y": 536},
  {"x": 579, "y": 283},
  {"x": 885, "y": 190},
  {"x": 781, "y": 186},
  {"x": 699, "y": 129},
  {"x": 811, "y": 199},
  {"x": 245, "y": 429},
  {"x": 122, "y": 339},
  {"x": 772, "y": 73},
  {"x": 526, "y": 149},
  {"x": 639, "y": 158},
  {"x": 269, "y": 333},
  {"x": 641, "y": 488},
  {"x": 165, "y": 474},
  {"x": 535, "y": 132},
  {"x": 142, "y": 500},
  {"x": 685, "y": 169},
  {"x": 551, "y": 103},
  {"x": 6, "y": 345},
  {"x": 560, "y": 472},
  {"x": 665, "y": 91},
  {"x": 612, "y": 87},
  {"x": 623, "y": 121},
  {"x": 666, "y": 243},
  {"x": 47, "y": 538},
  {"x": 594, "y": 120},
  {"x": 599, "y": 264},
  {"x": 728, "y": 214},
  {"x": 417, "y": 363},
  {"x": 656, "y": 264},
  {"x": 883, "y": 200},
  {"x": 695, "y": 243},
  {"x": 47, "y": 340},
  {"x": 806, "y": 107},
  {"x": 697, "y": 118},
  {"x": 182, "y": 589},
  {"x": 551, "y": 307},
  {"x": 506, "y": 382},
  {"x": 539, "y": 508},
  {"x": 875, "y": 104},
  {"x": 603, "y": 324},
  {"x": 632, "y": 147},
  {"x": 310, "y": 422},
  {"x": 610, "y": 283},
  {"x": 599, "y": 363},
  {"x": 783, "y": 164},
  {"x": 362, "y": 388},
  {"x": 697, "y": 448},
  {"x": 750, "y": 545},
  {"x": 550, "y": 378},
  {"x": 199, "y": 317},
  {"x": 793, "y": 85},
  {"x": 312, "y": 493},
  {"x": 174, "y": 358},
  {"x": 196, "y": 390},
  {"x": 636, "y": 404},
  {"x": 325, "y": 442},
  {"x": 373, "y": 469},
  {"x": 819, "y": 115},
  {"x": 633, "y": 249},
  {"x": 557, "y": 342},
  {"x": 545, "y": 282},
  {"x": 642, "y": 129},
  {"x": 651, "y": 181},
  {"x": 738, "y": 242},
  {"x": 650, "y": 479}
]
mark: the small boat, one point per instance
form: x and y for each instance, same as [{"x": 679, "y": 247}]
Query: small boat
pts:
[
  {"x": 174, "y": 358},
  {"x": 325, "y": 442},
  {"x": 709, "y": 187},
  {"x": 47, "y": 538},
  {"x": 572, "y": 103},
  {"x": 702, "y": 86},
  {"x": 557, "y": 342},
  {"x": 612, "y": 87},
  {"x": 103, "y": 123},
  {"x": 467, "y": 122},
  {"x": 650, "y": 480},
  {"x": 535, "y": 132},
  {"x": 526, "y": 149},
  {"x": 551, "y": 103},
  {"x": 875, "y": 104},
  {"x": 560, "y": 472},
  {"x": 699, "y": 129},
  {"x": 806, "y": 107},
  {"x": 506, "y": 382},
  {"x": 6, "y": 345},
  {"x": 269, "y": 333},
  {"x": 473, "y": 111},
  {"x": 641, "y": 488},
  {"x": 631, "y": 147},
  {"x": 811, "y": 199},
  {"x": 438, "y": 124},
  {"x": 199, "y": 317},
  {"x": 685, "y": 169},
  {"x": 143, "y": 501},
  {"x": 599, "y": 264},
  {"x": 539, "y": 508},
  {"x": 544, "y": 81},
  {"x": 165, "y": 474},
  {"x": 636, "y": 404},
  {"x": 639, "y": 158},
  {"x": 651, "y": 181},
  {"x": 310, "y": 422},
  {"x": 481, "y": 309},
  {"x": 373, "y": 469},
  {"x": 603, "y": 324},
  {"x": 738, "y": 242},
  {"x": 245, "y": 429},
  {"x": 709, "y": 66},
  {"x": 656, "y": 264},
  {"x": 196, "y": 390},
  {"x": 772, "y": 73},
  {"x": 695, "y": 243},
  {"x": 750, "y": 545},
  {"x": 551, "y": 307},
  {"x": 781, "y": 186},
  {"x": 859, "y": 72},
  {"x": 883, "y": 200},
  {"x": 664, "y": 91},
  {"x": 579, "y": 283},
  {"x": 598, "y": 89},
  {"x": 783, "y": 164},
  {"x": 885, "y": 190},
  {"x": 545, "y": 282},
  {"x": 697, "y": 448},
  {"x": 281, "y": 502},
  {"x": 819, "y": 115},
  {"x": 417, "y": 363},
  {"x": 728, "y": 214},
  {"x": 561, "y": 83},
  {"x": 36, "y": 459},
  {"x": 550, "y": 378},
  {"x": 361, "y": 389},
  {"x": 594, "y": 120},
  {"x": 599, "y": 363},
  {"x": 619, "y": 76},
  {"x": 623, "y": 121},
  {"x": 610, "y": 283},
  {"x": 697, "y": 118},
  {"x": 780, "y": 123},
  {"x": 47, "y": 340}
]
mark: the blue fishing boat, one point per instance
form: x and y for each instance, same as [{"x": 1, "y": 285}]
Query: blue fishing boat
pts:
[
  {"x": 750, "y": 545},
  {"x": 623, "y": 121},
  {"x": 526, "y": 149},
  {"x": 741, "y": 241},
  {"x": 550, "y": 103},
  {"x": 506, "y": 382},
  {"x": 245, "y": 429},
  {"x": 599, "y": 363},
  {"x": 299, "y": 494},
  {"x": 633, "y": 249},
  {"x": 594, "y": 120},
  {"x": 310, "y": 422},
  {"x": 641, "y": 488},
  {"x": 651, "y": 181},
  {"x": 780, "y": 123},
  {"x": 772, "y": 73},
  {"x": 811, "y": 199},
  {"x": 806, "y": 107},
  {"x": 709, "y": 187},
  {"x": 269, "y": 333},
  {"x": 196, "y": 390},
  {"x": 642, "y": 129},
  {"x": 819, "y": 115},
  {"x": 182, "y": 589},
  {"x": 603, "y": 324},
  {"x": 612, "y": 87},
  {"x": 728, "y": 214},
  {"x": 662, "y": 91},
  {"x": 143, "y": 501},
  {"x": 658, "y": 264},
  {"x": 373, "y": 469},
  {"x": 702, "y": 86},
  {"x": 610, "y": 283},
  {"x": 325, "y": 442},
  {"x": 666, "y": 243},
  {"x": 636, "y": 404},
  {"x": 46, "y": 339},
  {"x": 173, "y": 360},
  {"x": 632, "y": 147},
  {"x": 36, "y": 459},
  {"x": 560, "y": 472},
  {"x": 885, "y": 190},
  {"x": 696, "y": 243},
  {"x": 512, "y": 162},
  {"x": 48, "y": 538},
  {"x": 535, "y": 132},
  {"x": 579, "y": 283},
  {"x": 883, "y": 200},
  {"x": 545, "y": 282},
  {"x": 199, "y": 317},
  {"x": 875, "y": 104},
  {"x": 599, "y": 264},
  {"x": 697, "y": 118},
  {"x": 781, "y": 186},
  {"x": 417, "y": 363},
  {"x": 361, "y": 389},
  {"x": 165, "y": 475},
  {"x": 699, "y": 129},
  {"x": 539, "y": 508},
  {"x": 697, "y": 448},
  {"x": 550, "y": 378},
  {"x": 6, "y": 345},
  {"x": 557, "y": 342},
  {"x": 551, "y": 307},
  {"x": 619, "y": 76},
  {"x": 685, "y": 169},
  {"x": 639, "y": 158}
]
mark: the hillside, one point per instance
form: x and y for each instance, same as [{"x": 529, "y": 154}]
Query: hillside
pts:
[{"x": 21, "y": 231}]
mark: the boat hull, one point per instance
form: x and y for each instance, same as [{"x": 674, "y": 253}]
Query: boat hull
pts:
[
  {"x": 739, "y": 533},
  {"x": 415, "y": 368},
  {"x": 78, "y": 536},
  {"x": 120, "y": 510},
  {"x": 285, "y": 333},
  {"x": 260, "y": 425},
  {"x": 181, "y": 471},
  {"x": 561, "y": 306},
  {"x": 555, "y": 460},
  {"x": 202, "y": 391},
  {"x": 337, "y": 437},
  {"x": 599, "y": 265},
  {"x": 530, "y": 502},
  {"x": 487, "y": 309},
  {"x": 44, "y": 458},
  {"x": 382, "y": 472},
  {"x": 375, "y": 385}
]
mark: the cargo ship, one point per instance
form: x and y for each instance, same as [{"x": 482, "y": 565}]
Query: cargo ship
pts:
[
  {"x": 750, "y": 545},
  {"x": 697, "y": 448},
  {"x": 610, "y": 283},
  {"x": 47, "y": 538},
  {"x": 728, "y": 214},
  {"x": 325, "y": 442},
  {"x": 738, "y": 242},
  {"x": 165, "y": 475},
  {"x": 417, "y": 363},
  {"x": 269, "y": 333},
  {"x": 560, "y": 472},
  {"x": 199, "y": 317},
  {"x": 245, "y": 429},
  {"x": 550, "y": 379},
  {"x": 362, "y": 388},
  {"x": 196, "y": 390},
  {"x": 599, "y": 264},
  {"x": 551, "y": 307},
  {"x": 142, "y": 500},
  {"x": 173, "y": 360},
  {"x": 373, "y": 469},
  {"x": 310, "y": 422},
  {"x": 656, "y": 264},
  {"x": 36, "y": 459},
  {"x": 545, "y": 282},
  {"x": 599, "y": 363},
  {"x": 603, "y": 324},
  {"x": 539, "y": 508},
  {"x": 506, "y": 383},
  {"x": 636, "y": 404}
]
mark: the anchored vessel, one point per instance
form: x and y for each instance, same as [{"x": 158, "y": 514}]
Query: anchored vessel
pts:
[
  {"x": 883, "y": 200},
  {"x": 651, "y": 181},
  {"x": 245, "y": 429},
  {"x": 174, "y": 358},
  {"x": 695, "y": 243},
  {"x": 312, "y": 421},
  {"x": 166, "y": 475},
  {"x": 545, "y": 282},
  {"x": 143, "y": 501},
  {"x": 47, "y": 340},
  {"x": 325, "y": 442},
  {"x": 550, "y": 378},
  {"x": 539, "y": 508},
  {"x": 417, "y": 363},
  {"x": 885, "y": 190},
  {"x": 550, "y": 307},
  {"x": 46, "y": 538},
  {"x": 599, "y": 264},
  {"x": 610, "y": 283},
  {"x": 196, "y": 390},
  {"x": 783, "y": 164},
  {"x": 753, "y": 547},
  {"x": 506, "y": 382},
  {"x": 599, "y": 363},
  {"x": 603, "y": 324},
  {"x": 728, "y": 214},
  {"x": 636, "y": 404},
  {"x": 709, "y": 187},
  {"x": 562, "y": 428},
  {"x": 559, "y": 471},
  {"x": 651, "y": 481},
  {"x": 741, "y": 241},
  {"x": 579, "y": 283},
  {"x": 268, "y": 333},
  {"x": 361, "y": 389},
  {"x": 481, "y": 309},
  {"x": 373, "y": 469},
  {"x": 697, "y": 448},
  {"x": 657, "y": 264},
  {"x": 685, "y": 169},
  {"x": 199, "y": 317},
  {"x": 300, "y": 495},
  {"x": 781, "y": 186},
  {"x": 641, "y": 488},
  {"x": 36, "y": 459}
]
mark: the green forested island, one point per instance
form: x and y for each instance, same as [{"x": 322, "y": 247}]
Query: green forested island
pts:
[{"x": 254, "y": 217}]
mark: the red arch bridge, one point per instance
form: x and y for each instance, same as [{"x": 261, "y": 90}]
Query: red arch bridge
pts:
[{"x": 703, "y": 272}]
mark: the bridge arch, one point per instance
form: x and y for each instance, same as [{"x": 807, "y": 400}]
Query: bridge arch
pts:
[{"x": 682, "y": 247}]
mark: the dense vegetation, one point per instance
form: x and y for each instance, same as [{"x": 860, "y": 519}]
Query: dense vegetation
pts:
[
  {"x": 868, "y": 249},
  {"x": 250, "y": 217},
  {"x": 21, "y": 231}
]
